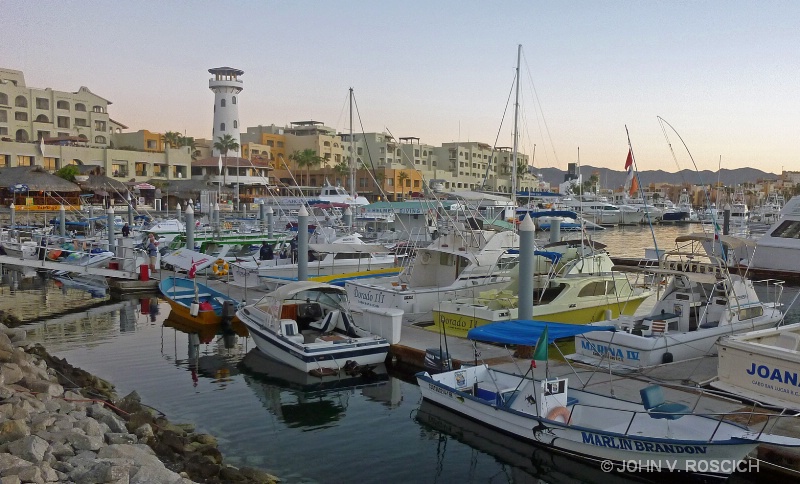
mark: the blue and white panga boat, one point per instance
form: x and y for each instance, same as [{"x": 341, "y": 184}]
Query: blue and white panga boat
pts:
[
  {"x": 548, "y": 412},
  {"x": 307, "y": 325}
]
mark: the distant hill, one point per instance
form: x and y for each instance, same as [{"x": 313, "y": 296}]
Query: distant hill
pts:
[{"x": 616, "y": 178}]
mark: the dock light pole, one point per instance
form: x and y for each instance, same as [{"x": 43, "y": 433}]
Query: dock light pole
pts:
[
  {"x": 215, "y": 217},
  {"x": 302, "y": 244},
  {"x": 189, "y": 227},
  {"x": 13, "y": 215},
  {"x": 269, "y": 221},
  {"x": 178, "y": 211},
  {"x": 62, "y": 222},
  {"x": 110, "y": 222},
  {"x": 261, "y": 216},
  {"x": 527, "y": 245}
]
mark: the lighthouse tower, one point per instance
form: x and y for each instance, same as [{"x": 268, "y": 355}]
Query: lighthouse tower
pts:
[{"x": 226, "y": 86}]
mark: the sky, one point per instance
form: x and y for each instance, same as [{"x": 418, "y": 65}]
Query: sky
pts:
[{"x": 723, "y": 74}]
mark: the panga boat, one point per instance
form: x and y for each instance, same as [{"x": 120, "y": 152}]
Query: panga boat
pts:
[
  {"x": 209, "y": 304},
  {"x": 589, "y": 425},
  {"x": 762, "y": 366},
  {"x": 307, "y": 325},
  {"x": 701, "y": 302}
]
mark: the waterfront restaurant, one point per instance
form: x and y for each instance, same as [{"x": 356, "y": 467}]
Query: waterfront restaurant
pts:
[{"x": 33, "y": 188}]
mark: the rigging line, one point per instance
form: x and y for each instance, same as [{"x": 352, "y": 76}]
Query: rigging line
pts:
[
  {"x": 641, "y": 194},
  {"x": 663, "y": 121},
  {"x": 497, "y": 138},
  {"x": 369, "y": 155},
  {"x": 537, "y": 103}
]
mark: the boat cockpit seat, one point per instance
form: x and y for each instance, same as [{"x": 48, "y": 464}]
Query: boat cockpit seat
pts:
[
  {"x": 657, "y": 407},
  {"x": 309, "y": 311},
  {"x": 328, "y": 323},
  {"x": 788, "y": 341},
  {"x": 291, "y": 331}
]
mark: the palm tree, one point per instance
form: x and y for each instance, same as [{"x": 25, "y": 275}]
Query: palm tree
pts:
[
  {"x": 190, "y": 143},
  {"x": 225, "y": 144},
  {"x": 171, "y": 138},
  {"x": 403, "y": 176},
  {"x": 307, "y": 158}
]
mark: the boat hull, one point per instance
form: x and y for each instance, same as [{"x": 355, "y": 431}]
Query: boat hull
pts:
[{"x": 180, "y": 293}]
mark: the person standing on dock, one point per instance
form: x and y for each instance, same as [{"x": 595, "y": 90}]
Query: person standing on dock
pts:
[
  {"x": 126, "y": 230},
  {"x": 293, "y": 247},
  {"x": 152, "y": 251}
]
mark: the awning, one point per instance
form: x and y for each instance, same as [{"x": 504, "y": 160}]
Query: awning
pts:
[
  {"x": 144, "y": 186},
  {"x": 527, "y": 332}
]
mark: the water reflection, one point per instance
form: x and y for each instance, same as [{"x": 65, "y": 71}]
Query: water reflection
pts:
[{"x": 302, "y": 400}]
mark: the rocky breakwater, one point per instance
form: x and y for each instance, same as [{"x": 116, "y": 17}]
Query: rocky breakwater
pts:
[{"x": 84, "y": 434}]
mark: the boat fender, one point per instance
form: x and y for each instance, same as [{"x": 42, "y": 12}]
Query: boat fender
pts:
[
  {"x": 194, "y": 310},
  {"x": 227, "y": 225},
  {"x": 559, "y": 413},
  {"x": 220, "y": 267},
  {"x": 666, "y": 357}
]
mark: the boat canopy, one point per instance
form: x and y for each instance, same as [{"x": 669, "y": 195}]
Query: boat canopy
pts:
[
  {"x": 726, "y": 240},
  {"x": 536, "y": 213},
  {"x": 526, "y": 332},
  {"x": 553, "y": 256},
  {"x": 289, "y": 290},
  {"x": 699, "y": 277}
]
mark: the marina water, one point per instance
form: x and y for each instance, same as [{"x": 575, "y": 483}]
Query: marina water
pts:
[{"x": 362, "y": 430}]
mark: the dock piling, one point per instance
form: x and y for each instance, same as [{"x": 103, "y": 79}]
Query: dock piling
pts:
[{"x": 302, "y": 244}]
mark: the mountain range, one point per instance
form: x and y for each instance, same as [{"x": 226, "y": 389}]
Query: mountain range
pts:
[{"x": 616, "y": 178}]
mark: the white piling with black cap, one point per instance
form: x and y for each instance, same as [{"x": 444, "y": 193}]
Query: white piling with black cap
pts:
[
  {"x": 91, "y": 220},
  {"x": 190, "y": 228},
  {"x": 215, "y": 218},
  {"x": 347, "y": 218},
  {"x": 110, "y": 228},
  {"x": 62, "y": 221},
  {"x": 302, "y": 244},
  {"x": 13, "y": 210},
  {"x": 555, "y": 229},
  {"x": 130, "y": 211},
  {"x": 178, "y": 211},
  {"x": 527, "y": 245},
  {"x": 270, "y": 215},
  {"x": 262, "y": 215}
]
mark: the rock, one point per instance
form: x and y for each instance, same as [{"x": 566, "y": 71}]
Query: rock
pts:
[
  {"x": 120, "y": 438},
  {"x": 202, "y": 467},
  {"x": 107, "y": 417},
  {"x": 61, "y": 450},
  {"x": 8, "y": 461},
  {"x": 258, "y": 476},
  {"x": 12, "y": 430},
  {"x": 186, "y": 427},
  {"x": 48, "y": 473},
  {"x": 144, "y": 432},
  {"x": 103, "y": 471},
  {"x": 84, "y": 442},
  {"x": 155, "y": 473},
  {"x": 172, "y": 440},
  {"x": 130, "y": 403},
  {"x": 6, "y": 355},
  {"x": 41, "y": 421},
  {"x": 15, "y": 335},
  {"x": 30, "y": 448},
  {"x": 12, "y": 373},
  {"x": 138, "y": 419},
  {"x": 10, "y": 480},
  {"x": 47, "y": 387},
  {"x": 205, "y": 439},
  {"x": 139, "y": 453},
  {"x": 30, "y": 474},
  {"x": 231, "y": 474},
  {"x": 91, "y": 427}
]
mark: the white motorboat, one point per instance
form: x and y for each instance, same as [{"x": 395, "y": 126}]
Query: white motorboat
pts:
[
  {"x": 701, "y": 301},
  {"x": 307, "y": 325},
  {"x": 596, "y": 427},
  {"x": 21, "y": 250},
  {"x": 762, "y": 366},
  {"x": 779, "y": 248},
  {"x": 346, "y": 255},
  {"x": 460, "y": 264}
]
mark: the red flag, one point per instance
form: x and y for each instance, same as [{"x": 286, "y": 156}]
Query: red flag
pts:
[
  {"x": 193, "y": 270},
  {"x": 631, "y": 184}
]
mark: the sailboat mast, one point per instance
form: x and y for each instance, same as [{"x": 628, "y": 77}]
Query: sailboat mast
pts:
[
  {"x": 516, "y": 134},
  {"x": 353, "y": 162}
]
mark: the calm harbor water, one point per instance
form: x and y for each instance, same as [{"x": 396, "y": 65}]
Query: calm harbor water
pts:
[{"x": 287, "y": 423}]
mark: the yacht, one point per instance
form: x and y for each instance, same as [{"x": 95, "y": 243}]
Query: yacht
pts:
[{"x": 779, "y": 248}]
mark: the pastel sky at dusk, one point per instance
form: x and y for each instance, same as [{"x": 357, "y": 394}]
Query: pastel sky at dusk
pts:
[{"x": 724, "y": 74}]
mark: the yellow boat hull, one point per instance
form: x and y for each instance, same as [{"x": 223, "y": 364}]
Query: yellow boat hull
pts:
[{"x": 459, "y": 324}]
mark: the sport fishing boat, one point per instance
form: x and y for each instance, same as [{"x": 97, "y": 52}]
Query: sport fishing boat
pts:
[
  {"x": 596, "y": 427},
  {"x": 573, "y": 283},
  {"x": 460, "y": 264},
  {"x": 307, "y": 325},
  {"x": 701, "y": 301}
]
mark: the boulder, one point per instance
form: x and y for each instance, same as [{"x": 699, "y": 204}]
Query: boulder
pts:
[
  {"x": 30, "y": 448},
  {"x": 12, "y": 373},
  {"x": 139, "y": 453},
  {"x": 120, "y": 438},
  {"x": 12, "y": 430},
  {"x": 102, "y": 414},
  {"x": 155, "y": 473}
]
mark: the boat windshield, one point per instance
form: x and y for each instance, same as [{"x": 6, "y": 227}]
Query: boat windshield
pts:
[{"x": 330, "y": 299}]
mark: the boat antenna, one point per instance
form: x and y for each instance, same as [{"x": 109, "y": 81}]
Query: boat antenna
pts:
[
  {"x": 641, "y": 193},
  {"x": 353, "y": 162}
]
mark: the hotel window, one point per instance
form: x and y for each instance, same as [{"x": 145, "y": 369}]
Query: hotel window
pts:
[
  {"x": 233, "y": 100},
  {"x": 62, "y": 105},
  {"x": 42, "y": 134},
  {"x": 3, "y": 117},
  {"x": 24, "y": 160},
  {"x": 100, "y": 125},
  {"x": 3, "y": 98},
  {"x": 20, "y": 116},
  {"x": 100, "y": 139},
  {"x": 98, "y": 109},
  {"x": 81, "y": 122},
  {"x": 3, "y": 130},
  {"x": 222, "y": 103},
  {"x": 42, "y": 119},
  {"x": 222, "y": 127},
  {"x": 63, "y": 121},
  {"x": 42, "y": 103},
  {"x": 21, "y": 102},
  {"x": 50, "y": 164},
  {"x": 80, "y": 107},
  {"x": 235, "y": 124}
]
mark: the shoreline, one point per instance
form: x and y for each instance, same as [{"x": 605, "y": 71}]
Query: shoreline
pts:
[{"x": 61, "y": 423}]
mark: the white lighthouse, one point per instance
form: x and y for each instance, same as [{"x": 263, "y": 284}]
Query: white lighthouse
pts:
[{"x": 226, "y": 86}]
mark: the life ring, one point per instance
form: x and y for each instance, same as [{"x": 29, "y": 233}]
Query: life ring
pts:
[
  {"x": 220, "y": 267},
  {"x": 562, "y": 412},
  {"x": 227, "y": 225}
]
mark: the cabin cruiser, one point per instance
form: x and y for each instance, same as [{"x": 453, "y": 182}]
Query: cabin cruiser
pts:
[
  {"x": 460, "y": 264},
  {"x": 778, "y": 249}
]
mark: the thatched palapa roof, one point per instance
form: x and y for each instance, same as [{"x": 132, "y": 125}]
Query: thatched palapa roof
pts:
[
  {"x": 187, "y": 188},
  {"x": 36, "y": 178}
]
